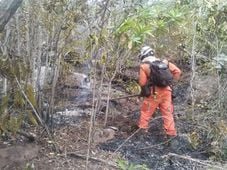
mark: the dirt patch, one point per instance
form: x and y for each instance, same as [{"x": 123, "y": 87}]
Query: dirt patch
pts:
[{"x": 17, "y": 155}]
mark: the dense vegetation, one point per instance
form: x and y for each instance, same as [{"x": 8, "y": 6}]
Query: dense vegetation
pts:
[{"x": 45, "y": 39}]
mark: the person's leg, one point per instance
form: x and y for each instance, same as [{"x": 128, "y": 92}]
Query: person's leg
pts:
[
  {"x": 147, "y": 110},
  {"x": 166, "y": 108}
]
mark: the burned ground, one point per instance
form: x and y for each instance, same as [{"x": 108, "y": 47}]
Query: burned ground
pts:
[
  {"x": 70, "y": 129},
  {"x": 153, "y": 149}
]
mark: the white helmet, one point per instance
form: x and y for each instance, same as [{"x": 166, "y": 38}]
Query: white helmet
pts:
[{"x": 145, "y": 52}]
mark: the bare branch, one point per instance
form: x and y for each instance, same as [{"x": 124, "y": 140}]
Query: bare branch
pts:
[
  {"x": 77, "y": 155},
  {"x": 7, "y": 10},
  {"x": 205, "y": 163}
]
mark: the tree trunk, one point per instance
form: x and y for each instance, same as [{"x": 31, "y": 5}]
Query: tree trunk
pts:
[{"x": 7, "y": 9}]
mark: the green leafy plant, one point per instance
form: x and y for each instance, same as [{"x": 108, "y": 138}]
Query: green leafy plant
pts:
[
  {"x": 134, "y": 30},
  {"x": 12, "y": 119},
  {"x": 125, "y": 165},
  {"x": 133, "y": 87}
]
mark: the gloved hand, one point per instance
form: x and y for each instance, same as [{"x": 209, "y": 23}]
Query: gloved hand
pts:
[
  {"x": 134, "y": 127},
  {"x": 145, "y": 91}
]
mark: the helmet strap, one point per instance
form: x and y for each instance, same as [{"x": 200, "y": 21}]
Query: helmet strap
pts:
[
  {"x": 144, "y": 56},
  {"x": 147, "y": 55}
]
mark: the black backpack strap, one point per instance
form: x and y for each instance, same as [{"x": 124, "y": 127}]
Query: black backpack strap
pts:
[
  {"x": 149, "y": 82},
  {"x": 171, "y": 85},
  {"x": 149, "y": 77}
]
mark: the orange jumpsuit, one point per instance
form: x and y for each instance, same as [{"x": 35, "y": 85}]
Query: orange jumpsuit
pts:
[{"x": 162, "y": 99}]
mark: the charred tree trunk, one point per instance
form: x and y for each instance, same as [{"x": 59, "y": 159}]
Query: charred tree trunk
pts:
[{"x": 7, "y": 9}]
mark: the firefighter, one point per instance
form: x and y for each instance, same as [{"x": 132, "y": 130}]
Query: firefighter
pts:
[{"x": 159, "y": 97}]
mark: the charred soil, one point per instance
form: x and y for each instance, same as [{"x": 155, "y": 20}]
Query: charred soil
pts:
[{"x": 69, "y": 147}]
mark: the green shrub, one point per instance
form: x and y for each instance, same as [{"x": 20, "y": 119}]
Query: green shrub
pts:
[{"x": 125, "y": 165}]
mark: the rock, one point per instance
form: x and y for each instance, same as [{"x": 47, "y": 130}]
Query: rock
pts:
[
  {"x": 77, "y": 80},
  {"x": 103, "y": 135}
]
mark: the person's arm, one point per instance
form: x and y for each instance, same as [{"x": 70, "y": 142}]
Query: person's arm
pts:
[
  {"x": 143, "y": 80},
  {"x": 142, "y": 75},
  {"x": 176, "y": 72}
]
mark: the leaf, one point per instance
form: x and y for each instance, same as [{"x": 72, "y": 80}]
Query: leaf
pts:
[
  {"x": 31, "y": 95},
  {"x": 123, "y": 39},
  {"x": 14, "y": 124},
  {"x": 4, "y": 122},
  {"x": 122, "y": 164},
  {"x": 194, "y": 139},
  {"x": 130, "y": 44},
  {"x": 127, "y": 25},
  {"x": 175, "y": 16},
  {"x": 4, "y": 104},
  {"x": 136, "y": 39},
  {"x": 18, "y": 99},
  {"x": 103, "y": 58},
  {"x": 32, "y": 118}
]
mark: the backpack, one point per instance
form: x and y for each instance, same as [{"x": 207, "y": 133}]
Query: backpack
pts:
[{"x": 160, "y": 74}]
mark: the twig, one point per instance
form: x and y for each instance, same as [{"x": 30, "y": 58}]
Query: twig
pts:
[
  {"x": 205, "y": 163},
  {"x": 118, "y": 66},
  {"x": 152, "y": 146},
  {"x": 193, "y": 61},
  {"x": 103, "y": 17},
  {"x": 108, "y": 96},
  {"x": 84, "y": 157},
  {"x": 92, "y": 118},
  {"x": 29, "y": 102},
  {"x": 126, "y": 140},
  {"x": 34, "y": 110}
]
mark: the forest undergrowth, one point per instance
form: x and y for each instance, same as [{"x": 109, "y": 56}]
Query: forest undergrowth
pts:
[{"x": 63, "y": 61}]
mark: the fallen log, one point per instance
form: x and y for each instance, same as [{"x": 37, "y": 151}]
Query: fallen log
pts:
[{"x": 202, "y": 162}]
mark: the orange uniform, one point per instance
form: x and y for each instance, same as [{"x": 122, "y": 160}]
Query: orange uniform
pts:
[{"x": 162, "y": 99}]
